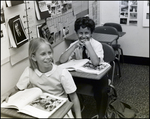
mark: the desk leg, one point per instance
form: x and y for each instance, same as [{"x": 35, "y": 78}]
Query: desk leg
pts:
[{"x": 100, "y": 89}]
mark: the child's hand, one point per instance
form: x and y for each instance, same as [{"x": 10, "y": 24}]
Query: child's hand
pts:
[
  {"x": 79, "y": 44},
  {"x": 5, "y": 97}
]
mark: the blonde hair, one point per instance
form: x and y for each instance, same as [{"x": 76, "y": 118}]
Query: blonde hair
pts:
[{"x": 33, "y": 47}]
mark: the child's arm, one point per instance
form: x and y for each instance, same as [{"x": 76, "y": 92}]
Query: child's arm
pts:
[
  {"x": 93, "y": 57},
  {"x": 76, "y": 104},
  {"x": 65, "y": 56},
  {"x": 6, "y": 95}
]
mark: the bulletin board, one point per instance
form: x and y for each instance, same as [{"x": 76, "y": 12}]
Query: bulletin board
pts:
[
  {"x": 128, "y": 12},
  {"x": 58, "y": 25}
]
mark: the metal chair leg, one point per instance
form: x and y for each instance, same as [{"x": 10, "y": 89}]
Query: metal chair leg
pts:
[
  {"x": 118, "y": 62},
  {"x": 122, "y": 55}
]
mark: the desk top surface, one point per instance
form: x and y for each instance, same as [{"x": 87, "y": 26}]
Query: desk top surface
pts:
[
  {"x": 121, "y": 34},
  {"x": 90, "y": 76},
  {"x": 106, "y": 38},
  {"x": 60, "y": 113},
  {"x": 87, "y": 75}
]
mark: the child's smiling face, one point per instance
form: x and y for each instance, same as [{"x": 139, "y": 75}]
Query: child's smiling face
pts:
[
  {"x": 44, "y": 58},
  {"x": 84, "y": 34}
]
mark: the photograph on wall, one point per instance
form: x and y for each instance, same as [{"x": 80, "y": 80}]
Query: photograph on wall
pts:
[
  {"x": 43, "y": 31},
  {"x": 133, "y": 15},
  {"x": 133, "y": 5},
  {"x": 13, "y": 3},
  {"x": 123, "y": 20},
  {"x": 17, "y": 30},
  {"x": 124, "y": 8},
  {"x": 145, "y": 13},
  {"x": 58, "y": 37},
  {"x": 132, "y": 22}
]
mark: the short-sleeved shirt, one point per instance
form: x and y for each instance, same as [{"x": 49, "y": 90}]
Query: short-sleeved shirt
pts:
[
  {"x": 77, "y": 53},
  {"x": 58, "y": 81}
]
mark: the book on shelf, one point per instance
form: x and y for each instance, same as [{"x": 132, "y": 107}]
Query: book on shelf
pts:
[
  {"x": 85, "y": 65},
  {"x": 34, "y": 102}
]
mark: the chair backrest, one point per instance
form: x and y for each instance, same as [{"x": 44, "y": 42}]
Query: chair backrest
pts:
[
  {"x": 106, "y": 30},
  {"x": 109, "y": 53},
  {"x": 116, "y": 25},
  {"x": 109, "y": 56}
]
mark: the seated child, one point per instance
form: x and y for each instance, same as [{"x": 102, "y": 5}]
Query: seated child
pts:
[
  {"x": 87, "y": 47},
  {"x": 43, "y": 73}
]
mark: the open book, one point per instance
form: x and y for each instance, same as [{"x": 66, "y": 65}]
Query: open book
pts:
[
  {"x": 85, "y": 65},
  {"x": 34, "y": 102}
]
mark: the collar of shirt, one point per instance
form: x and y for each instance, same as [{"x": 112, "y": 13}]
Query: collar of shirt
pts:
[{"x": 47, "y": 73}]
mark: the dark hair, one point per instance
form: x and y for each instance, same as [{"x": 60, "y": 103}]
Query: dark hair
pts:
[{"x": 84, "y": 22}]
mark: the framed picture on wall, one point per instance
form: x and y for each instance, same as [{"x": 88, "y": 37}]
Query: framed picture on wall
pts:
[
  {"x": 17, "y": 31},
  {"x": 145, "y": 13}
]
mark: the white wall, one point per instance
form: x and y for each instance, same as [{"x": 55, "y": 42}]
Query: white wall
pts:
[
  {"x": 136, "y": 40},
  {"x": 10, "y": 74}
]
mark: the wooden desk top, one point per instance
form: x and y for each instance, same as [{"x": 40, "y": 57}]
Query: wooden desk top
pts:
[
  {"x": 121, "y": 34},
  {"x": 105, "y": 38},
  {"x": 60, "y": 113}
]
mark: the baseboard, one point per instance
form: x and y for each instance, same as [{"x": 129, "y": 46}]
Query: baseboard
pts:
[{"x": 136, "y": 60}]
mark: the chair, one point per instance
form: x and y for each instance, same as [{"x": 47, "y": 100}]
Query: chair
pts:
[
  {"x": 116, "y": 46},
  {"x": 106, "y": 30},
  {"x": 109, "y": 56},
  {"x": 113, "y": 31}
]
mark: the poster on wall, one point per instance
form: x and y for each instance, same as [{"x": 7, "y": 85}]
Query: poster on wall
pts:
[
  {"x": 94, "y": 11},
  {"x": 128, "y": 12},
  {"x": 145, "y": 13}
]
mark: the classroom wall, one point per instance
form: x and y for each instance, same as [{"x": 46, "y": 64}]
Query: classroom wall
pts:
[{"x": 136, "y": 40}]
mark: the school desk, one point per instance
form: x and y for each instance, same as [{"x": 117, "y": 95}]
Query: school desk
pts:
[
  {"x": 90, "y": 76},
  {"x": 60, "y": 113},
  {"x": 121, "y": 33},
  {"x": 103, "y": 38},
  {"x": 84, "y": 88}
]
